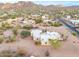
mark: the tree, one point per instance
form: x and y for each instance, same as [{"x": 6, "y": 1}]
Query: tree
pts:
[
  {"x": 38, "y": 21},
  {"x": 25, "y": 34},
  {"x": 74, "y": 33},
  {"x": 56, "y": 24}
]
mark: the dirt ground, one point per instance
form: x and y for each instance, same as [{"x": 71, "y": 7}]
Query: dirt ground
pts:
[{"x": 68, "y": 48}]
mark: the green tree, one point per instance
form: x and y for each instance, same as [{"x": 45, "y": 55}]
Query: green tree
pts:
[{"x": 25, "y": 34}]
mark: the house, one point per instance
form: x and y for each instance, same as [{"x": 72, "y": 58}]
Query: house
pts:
[
  {"x": 75, "y": 22},
  {"x": 45, "y": 17},
  {"x": 44, "y": 36},
  {"x": 36, "y": 34},
  {"x": 21, "y": 21},
  {"x": 46, "y": 21},
  {"x": 34, "y": 16},
  {"x": 67, "y": 17}
]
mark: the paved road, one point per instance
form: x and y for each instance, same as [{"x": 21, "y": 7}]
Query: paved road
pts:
[{"x": 69, "y": 25}]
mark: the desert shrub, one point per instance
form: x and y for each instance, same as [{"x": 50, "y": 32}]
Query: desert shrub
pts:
[
  {"x": 56, "y": 24},
  {"x": 27, "y": 27},
  {"x": 55, "y": 43},
  {"x": 7, "y": 53},
  {"x": 74, "y": 33},
  {"x": 37, "y": 43},
  {"x": 18, "y": 27},
  {"x": 6, "y": 26},
  {"x": 25, "y": 34},
  {"x": 12, "y": 16},
  {"x": 15, "y": 31},
  {"x": 11, "y": 39},
  {"x": 1, "y": 38},
  {"x": 11, "y": 53},
  {"x": 38, "y": 21}
]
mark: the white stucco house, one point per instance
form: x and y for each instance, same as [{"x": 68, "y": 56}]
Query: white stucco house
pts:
[
  {"x": 43, "y": 37},
  {"x": 36, "y": 34},
  {"x": 67, "y": 17},
  {"x": 45, "y": 17}
]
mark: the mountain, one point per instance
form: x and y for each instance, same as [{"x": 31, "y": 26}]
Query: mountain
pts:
[
  {"x": 23, "y": 4},
  {"x": 32, "y": 7},
  {"x": 18, "y": 5}
]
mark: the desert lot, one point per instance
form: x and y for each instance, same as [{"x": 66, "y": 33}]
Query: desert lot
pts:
[
  {"x": 68, "y": 48},
  {"x": 27, "y": 46}
]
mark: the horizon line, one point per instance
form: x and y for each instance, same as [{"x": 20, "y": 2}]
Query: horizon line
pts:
[{"x": 46, "y": 3}]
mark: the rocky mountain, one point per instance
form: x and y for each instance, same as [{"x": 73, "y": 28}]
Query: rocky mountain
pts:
[
  {"x": 23, "y": 5},
  {"x": 32, "y": 7}
]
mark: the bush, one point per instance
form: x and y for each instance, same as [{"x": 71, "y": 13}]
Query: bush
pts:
[
  {"x": 74, "y": 33},
  {"x": 27, "y": 27},
  {"x": 37, "y": 42},
  {"x": 15, "y": 31},
  {"x": 7, "y": 53},
  {"x": 1, "y": 39},
  {"x": 13, "y": 16},
  {"x": 25, "y": 34},
  {"x": 11, "y": 39},
  {"x": 11, "y": 53},
  {"x": 55, "y": 43},
  {"x": 6, "y": 26},
  {"x": 38, "y": 21},
  {"x": 56, "y": 24}
]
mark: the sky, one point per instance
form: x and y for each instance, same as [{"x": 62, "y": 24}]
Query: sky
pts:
[{"x": 46, "y": 2}]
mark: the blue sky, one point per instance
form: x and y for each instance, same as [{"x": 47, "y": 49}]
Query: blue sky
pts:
[{"x": 66, "y": 3}]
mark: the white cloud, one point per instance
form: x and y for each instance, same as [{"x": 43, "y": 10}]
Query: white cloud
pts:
[{"x": 33, "y": 0}]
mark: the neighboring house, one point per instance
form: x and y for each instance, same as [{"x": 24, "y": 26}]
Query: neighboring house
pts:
[
  {"x": 33, "y": 16},
  {"x": 45, "y": 17},
  {"x": 75, "y": 22},
  {"x": 67, "y": 17},
  {"x": 21, "y": 21},
  {"x": 46, "y": 21},
  {"x": 44, "y": 36}
]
